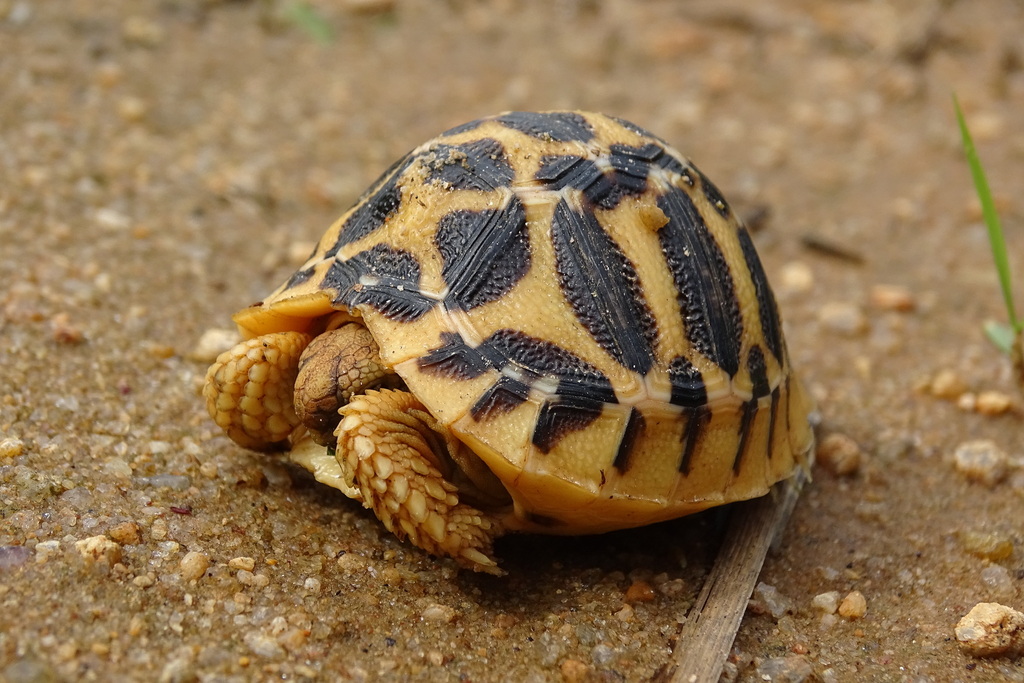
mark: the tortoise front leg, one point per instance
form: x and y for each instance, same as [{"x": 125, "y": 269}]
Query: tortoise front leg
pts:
[
  {"x": 250, "y": 390},
  {"x": 396, "y": 454}
]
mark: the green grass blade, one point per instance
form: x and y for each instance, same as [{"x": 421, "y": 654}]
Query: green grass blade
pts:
[
  {"x": 988, "y": 209},
  {"x": 309, "y": 20},
  {"x": 1000, "y": 334}
]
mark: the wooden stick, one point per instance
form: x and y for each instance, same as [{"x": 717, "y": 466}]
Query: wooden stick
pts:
[{"x": 710, "y": 628}]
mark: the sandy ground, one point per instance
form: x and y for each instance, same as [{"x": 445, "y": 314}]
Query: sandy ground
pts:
[{"x": 165, "y": 163}]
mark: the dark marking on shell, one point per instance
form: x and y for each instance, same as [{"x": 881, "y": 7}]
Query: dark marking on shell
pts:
[
  {"x": 746, "y": 419},
  {"x": 561, "y": 171},
  {"x": 502, "y": 397},
  {"x": 374, "y": 207},
  {"x": 538, "y": 358},
  {"x": 394, "y": 291},
  {"x": 713, "y": 195},
  {"x": 704, "y": 285},
  {"x": 299, "y": 277},
  {"x": 485, "y": 253},
  {"x": 634, "y": 428},
  {"x": 758, "y": 373},
  {"x": 773, "y": 418},
  {"x": 563, "y": 416},
  {"x": 632, "y": 165},
  {"x": 697, "y": 420},
  {"x": 767, "y": 309},
  {"x": 688, "y": 388},
  {"x": 477, "y": 165},
  {"x": 558, "y": 126},
  {"x": 454, "y": 359},
  {"x": 602, "y": 286}
]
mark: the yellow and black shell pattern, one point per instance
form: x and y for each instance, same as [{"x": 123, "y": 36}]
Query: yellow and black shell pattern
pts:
[{"x": 579, "y": 304}]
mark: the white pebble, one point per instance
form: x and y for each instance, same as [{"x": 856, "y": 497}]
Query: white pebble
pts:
[
  {"x": 827, "y": 603},
  {"x": 981, "y": 461},
  {"x": 991, "y": 630}
]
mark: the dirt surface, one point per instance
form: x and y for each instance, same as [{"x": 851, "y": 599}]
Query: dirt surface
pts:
[{"x": 165, "y": 163}]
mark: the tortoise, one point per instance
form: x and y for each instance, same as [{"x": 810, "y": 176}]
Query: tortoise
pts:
[{"x": 547, "y": 322}]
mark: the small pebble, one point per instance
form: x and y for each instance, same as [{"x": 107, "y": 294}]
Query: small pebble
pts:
[
  {"x": 827, "y": 603},
  {"x": 892, "y": 298},
  {"x": 842, "y": 318},
  {"x": 991, "y": 630},
  {"x": 126, "y": 533},
  {"x": 767, "y": 599},
  {"x": 12, "y": 556},
  {"x": 639, "y": 591},
  {"x": 212, "y": 343},
  {"x": 132, "y": 109},
  {"x": 625, "y": 614},
  {"x": 981, "y": 461},
  {"x": 947, "y": 385},
  {"x": 246, "y": 563},
  {"x": 141, "y": 31},
  {"x": 574, "y": 671},
  {"x": 602, "y": 654},
  {"x": 441, "y": 614},
  {"x": 11, "y": 448},
  {"x": 99, "y": 550},
  {"x": 998, "y": 581},
  {"x": 967, "y": 402},
  {"x": 262, "y": 644},
  {"x": 352, "y": 562},
  {"x": 790, "y": 669},
  {"x": 194, "y": 565},
  {"x": 991, "y": 546},
  {"x": 853, "y": 606},
  {"x": 29, "y": 669},
  {"x": 993, "y": 403},
  {"x": 64, "y": 331},
  {"x": 839, "y": 454}
]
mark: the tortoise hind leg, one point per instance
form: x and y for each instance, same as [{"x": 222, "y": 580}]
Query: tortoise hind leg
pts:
[
  {"x": 249, "y": 390},
  {"x": 397, "y": 455}
]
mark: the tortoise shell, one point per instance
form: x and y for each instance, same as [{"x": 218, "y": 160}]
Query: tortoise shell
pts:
[{"x": 578, "y": 303}]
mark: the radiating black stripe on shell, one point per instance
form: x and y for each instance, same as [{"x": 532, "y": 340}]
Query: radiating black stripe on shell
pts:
[
  {"x": 758, "y": 373},
  {"x": 688, "y": 388},
  {"x": 713, "y": 195},
  {"x": 561, "y": 171},
  {"x": 746, "y": 420},
  {"x": 634, "y": 429},
  {"x": 630, "y": 168},
  {"x": 602, "y": 286},
  {"x": 502, "y": 397},
  {"x": 697, "y": 421},
  {"x": 395, "y": 292},
  {"x": 454, "y": 359},
  {"x": 373, "y": 209},
  {"x": 773, "y": 418},
  {"x": 705, "y": 290},
  {"x": 484, "y": 253},
  {"x": 299, "y": 277},
  {"x": 767, "y": 309},
  {"x": 557, "y": 126},
  {"x": 561, "y": 417},
  {"x": 538, "y": 358},
  {"x": 477, "y": 165}
]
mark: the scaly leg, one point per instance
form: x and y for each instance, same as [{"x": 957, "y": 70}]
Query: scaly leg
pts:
[
  {"x": 250, "y": 390},
  {"x": 398, "y": 456}
]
